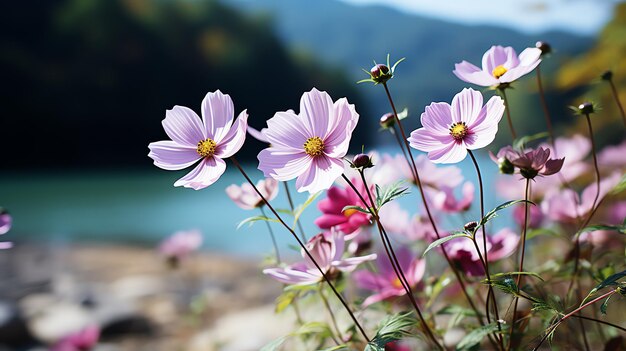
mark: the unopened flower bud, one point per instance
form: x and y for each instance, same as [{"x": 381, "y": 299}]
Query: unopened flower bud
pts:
[
  {"x": 362, "y": 161},
  {"x": 470, "y": 226},
  {"x": 585, "y": 108},
  {"x": 608, "y": 75},
  {"x": 505, "y": 166},
  {"x": 387, "y": 120},
  {"x": 544, "y": 47},
  {"x": 380, "y": 73}
]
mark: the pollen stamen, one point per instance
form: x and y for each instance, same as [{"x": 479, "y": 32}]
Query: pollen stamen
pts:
[
  {"x": 458, "y": 130},
  {"x": 314, "y": 146},
  {"x": 206, "y": 148},
  {"x": 499, "y": 71}
]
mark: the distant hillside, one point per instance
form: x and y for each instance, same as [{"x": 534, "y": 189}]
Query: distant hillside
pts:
[{"x": 350, "y": 37}]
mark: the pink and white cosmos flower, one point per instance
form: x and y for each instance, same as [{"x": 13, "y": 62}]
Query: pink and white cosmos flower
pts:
[
  {"x": 247, "y": 198},
  {"x": 500, "y": 65},
  {"x": 309, "y": 145},
  {"x": 208, "y": 140},
  {"x": 327, "y": 249},
  {"x": 463, "y": 252},
  {"x": 181, "y": 244},
  {"x": 448, "y": 131}
]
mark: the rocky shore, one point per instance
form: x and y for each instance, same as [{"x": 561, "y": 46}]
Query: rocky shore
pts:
[{"x": 139, "y": 301}]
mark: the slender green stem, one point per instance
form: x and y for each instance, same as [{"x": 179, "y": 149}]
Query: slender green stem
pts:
[
  {"x": 291, "y": 207},
  {"x": 486, "y": 259},
  {"x": 552, "y": 328},
  {"x": 331, "y": 314},
  {"x": 411, "y": 162},
  {"x": 508, "y": 113},
  {"x": 391, "y": 254},
  {"x": 544, "y": 105},
  {"x": 521, "y": 262},
  {"x": 269, "y": 228},
  {"x": 619, "y": 103},
  {"x": 304, "y": 248}
]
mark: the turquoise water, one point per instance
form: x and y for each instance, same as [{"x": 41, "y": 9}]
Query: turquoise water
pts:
[{"x": 144, "y": 207}]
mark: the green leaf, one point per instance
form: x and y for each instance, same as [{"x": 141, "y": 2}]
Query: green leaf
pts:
[
  {"x": 392, "y": 328},
  {"x": 507, "y": 285},
  {"x": 620, "y": 187},
  {"x": 519, "y": 143},
  {"x": 604, "y": 305},
  {"x": 498, "y": 275},
  {"x": 403, "y": 114},
  {"x": 297, "y": 212},
  {"x": 251, "y": 220},
  {"x": 540, "y": 231},
  {"x": 274, "y": 345},
  {"x": 612, "y": 280},
  {"x": 319, "y": 329},
  {"x": 284, "y": 300},
  {"x": 618, "y": 228},
  {"x": 493, "y": 213},
  {"x": 474, "y": 337},
  {"x": 440, "y": 241},
  {"x": 357, "y": 208},
  {"x": 389, "y": 193},
  {"x": 458, "y": 313}
]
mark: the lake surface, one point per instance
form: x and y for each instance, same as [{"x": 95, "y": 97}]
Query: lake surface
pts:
[{"x": 144, "y": 207}]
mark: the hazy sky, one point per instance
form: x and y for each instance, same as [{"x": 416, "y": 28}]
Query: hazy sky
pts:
[{"x": 530, "y": 16}]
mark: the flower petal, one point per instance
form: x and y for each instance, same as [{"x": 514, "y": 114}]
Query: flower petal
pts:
[
  {"x": 466, "y": 106},
  {"x": 258, "y": 134},
  {"x": 283, "y": 165},
  {"x": 316, "y": 108},
  {"x": 425, "y": 140},
  {"x": 172, "y": 156},
  {"x": 286, "y": 129},
  {"x": 451, "y": 153},
  {"x": 467, "y": 72},
  {"x": 207, "y": 172},
  {"x": 438, "y": 117},
  {"x": 183, "y": 126},
  {"x": 217, "y": 114},
  {"x": 343, "y": 121},
  {"x": 233, "y": 140},
  {"x": 293, "y": 276},
  {"x": 321, "y": 174}
]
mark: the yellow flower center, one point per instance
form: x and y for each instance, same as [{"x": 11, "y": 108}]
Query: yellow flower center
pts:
[
  {"x": 458, "y": 130},
  {"x": 349, "y": 212},
  {"x": 314, "y": 146},
  {"x": 499, "y": 71},
  {"x": 206, "y": 148},
  {"x": 396, "y": 283}
]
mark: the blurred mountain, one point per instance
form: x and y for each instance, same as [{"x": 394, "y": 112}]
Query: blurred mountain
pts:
[
  {"x": 351, "y": 37},
  {"x": 86, "y": 83}
]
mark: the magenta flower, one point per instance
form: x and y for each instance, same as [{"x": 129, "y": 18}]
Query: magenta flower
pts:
[
  {"x": 531, "y": 163},
  {"x": 333, "y": 216},
  {"x": 82, "y": 340},
  {"x": 565, "y": 205},
  {"x": 247, "y": 198},
  {"x": 450, "y": 130},
  {"x": 501, "y": 65},
  {"x": 5, "y": 225},
  {"x": 327, "y": 249},
  {"x": 463, "y": 252},
  {"x": 445, "y": 200},
  {"x": 209, "y": 140},
  {"x": 310, "y": 145},
  {"x": 386, "y": 283},
  {"x": 180, "y": 244}
]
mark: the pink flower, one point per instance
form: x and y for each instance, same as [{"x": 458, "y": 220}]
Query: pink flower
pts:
[
  {"x": 565, "y": 205},
  {"x": 395, "y": 219},
  {"x": 83, "y": 340},
  {"x": 445, "y": 200},
  {"x": 327, "y": 249},
  {"x": 246, "y": 197},
  {"x": 535, "y": 216},
  {"x": 5, "y": 225},
  {"x": 386, "y": 283},
  {"x": 500, "y": 65},
  {"x": 209, "y": 140},
  {"x": 531, "y": 162},
  {"x": 180, "y": 244},
  {"x": 310, "y": 145},
  {"x": 450, "y": 130},
  {"x": 258, "y": 134},
  {"x": 463, "y": 252},
  {"x": 613, "y": 156},
  {"x": 333, "y": 216}
]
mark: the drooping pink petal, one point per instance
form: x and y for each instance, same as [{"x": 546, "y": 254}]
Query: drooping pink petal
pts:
[
  {"x": 528, "y": 60},
  {"x": 466, "y": 106},
  {"x": 217, "y": 114},
  {"x": 467, "y": 72},
  {"x": 453, "y": 152},
  {"x": 207, "y": 172},
  {"x": 171, "y": 155},
  {"x": 183, "y": 126},
  {"x": 321, "y": 174},
  {"x": 283, "y": 165},
  {"x": 258, "y": 134},
  {"x": 425, "y": 140},
  {"x": 292, "y": 276},
  {"x": 368, "y": 280},
  {"x": 350, "y": 263},
  {"x": 233, "y": 140}
]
